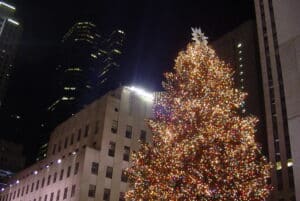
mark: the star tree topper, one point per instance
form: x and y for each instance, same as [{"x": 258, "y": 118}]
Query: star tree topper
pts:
[{"x": 198, "y": 36}]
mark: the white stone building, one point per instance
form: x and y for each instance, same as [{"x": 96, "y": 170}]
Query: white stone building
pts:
[
  {"x": 278, "y": 26},
  {"x": 88, "y": 153}
]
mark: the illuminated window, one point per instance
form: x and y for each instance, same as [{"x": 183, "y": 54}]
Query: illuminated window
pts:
[
  {"x": 117, "y": 51},
  {"x": 290, "y": 162},
  {"x": 278, "y": 165},
  {"x": 94, "y": 56}
]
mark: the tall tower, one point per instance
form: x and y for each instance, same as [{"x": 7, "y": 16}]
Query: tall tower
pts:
[
  {"x": 278, "y": 27},
  {"x": 10, "y": 31},
  {"x": 88, "y": 69}
]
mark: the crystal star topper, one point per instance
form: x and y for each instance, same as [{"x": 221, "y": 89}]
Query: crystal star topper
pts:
[{"x": 198, "y": 36}]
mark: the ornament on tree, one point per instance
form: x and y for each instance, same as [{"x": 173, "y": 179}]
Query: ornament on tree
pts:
[
  {"x": 198, "y": 36},
  {"x": 202, "y": 148}
]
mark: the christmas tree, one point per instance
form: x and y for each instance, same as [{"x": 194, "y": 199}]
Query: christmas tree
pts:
[{"x": 203, "y": 148}]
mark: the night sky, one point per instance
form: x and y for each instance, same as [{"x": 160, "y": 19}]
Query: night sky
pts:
[{"x": 155, "y": 32}]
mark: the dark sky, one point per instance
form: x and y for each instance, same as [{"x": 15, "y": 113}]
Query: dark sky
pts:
[{"x": 155, "y": 31}]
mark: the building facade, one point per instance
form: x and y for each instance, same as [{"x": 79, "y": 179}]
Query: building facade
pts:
[
  {"x": 88, "y": 153},
  {"x": 10, "y": 31},
  {"x": 278, "y": 27},
  {"x": 239, "y": 48}
]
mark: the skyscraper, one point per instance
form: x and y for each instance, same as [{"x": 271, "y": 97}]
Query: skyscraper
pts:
[
  {"x": 88, "y": 69},
  {"x": 10, "y": 31},
  {"x": 278, "y": 27}
]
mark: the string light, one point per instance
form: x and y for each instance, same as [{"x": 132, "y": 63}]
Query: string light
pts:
[{"x": 202, "y": 148}]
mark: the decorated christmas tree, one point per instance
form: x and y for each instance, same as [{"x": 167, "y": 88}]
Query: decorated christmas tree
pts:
[{"x": 203, "y": 148}]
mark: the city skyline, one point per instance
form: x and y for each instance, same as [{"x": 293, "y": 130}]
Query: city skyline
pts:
[{"x": 73, "y": 55}]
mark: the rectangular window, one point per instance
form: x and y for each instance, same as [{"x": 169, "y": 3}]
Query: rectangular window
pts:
[
  {"x": 72, "y": 139},
  {"x": 54, "y": 149},
  {"x": 51, "y": 196},
  {"x": 114, "y": 126},
  {"x": 92, "y": 190},
  {"x": 124, "y": 177},
  {"x": 32, "y": 186},
  {"x": 54, "y": 177},
  {"x": 73, "y": 190},
  {"x": 61, "y": 174},
  {"x": 59, "y": 146},
  {"x": 86, "y": 132},
  {"x": 65, "y": 193},
  {"x": 66, "y": 142},
  {"x": 95, "y": 167},
  {"x": 106, "y": 195},
  {"x": 37, "y": 185},
  {"x": 23, "y": 189},
  {"x": 57, "y": 195},
  {"x": 143, "y": 136},
  {"x": 69, "y": 171},
  {"x": 49, "y": 179},
  {"x": 96, "y": 127},
  {"x": 27, "y": 189},
  {"x": 40, "y": 198},
  {"x": 18, "y": 194},
  {"x": 43, "y": 182},
  {"x": 45, "y": 198},
  {"x": 128, "y": 132},
  {"x": 112, "y": 148},
  {"x": 109, "y": 172},
  {"x": 126, "y": 154},
  {"x": 76, "y": 168},
  {"x": 79, "y": 135}
]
